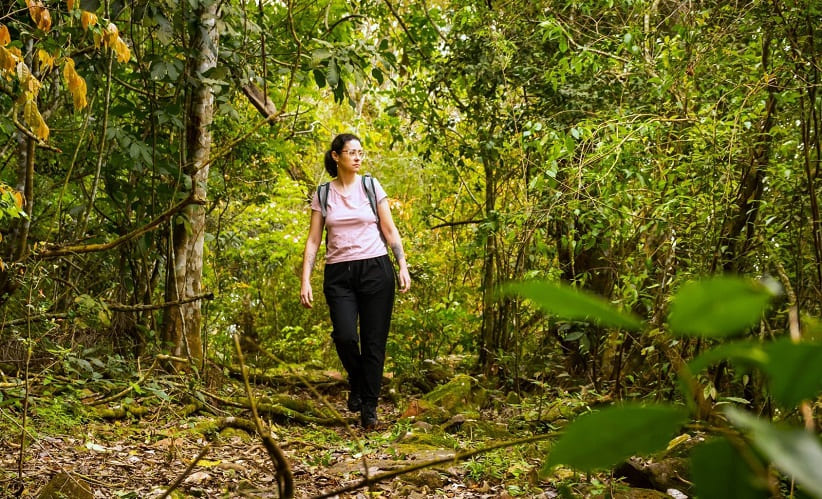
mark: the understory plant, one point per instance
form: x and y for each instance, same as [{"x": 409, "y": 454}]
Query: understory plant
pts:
[{"x": 742, "y": 452}]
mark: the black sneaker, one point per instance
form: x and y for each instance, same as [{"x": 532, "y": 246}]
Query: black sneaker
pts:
[
  {"x": 354, "y": 401},
  {"x": 368, "y": 417}
]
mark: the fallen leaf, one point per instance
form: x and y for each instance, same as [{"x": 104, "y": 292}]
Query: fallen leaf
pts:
[{"x": 197, "y": 478}]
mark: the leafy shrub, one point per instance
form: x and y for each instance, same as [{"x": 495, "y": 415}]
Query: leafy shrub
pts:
[{"x": 742, "y": 447}]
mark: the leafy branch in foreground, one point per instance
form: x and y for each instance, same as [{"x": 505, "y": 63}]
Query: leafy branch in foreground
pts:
[{"x": 742, "y": 447}]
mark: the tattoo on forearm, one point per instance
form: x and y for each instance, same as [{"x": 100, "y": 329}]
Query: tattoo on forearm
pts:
[
  {"x": 311, "y": 259},
  {"x": 397, "y": 249}
]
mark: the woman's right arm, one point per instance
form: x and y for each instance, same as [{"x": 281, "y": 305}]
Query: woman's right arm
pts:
[{"x": 312, "y": 244}]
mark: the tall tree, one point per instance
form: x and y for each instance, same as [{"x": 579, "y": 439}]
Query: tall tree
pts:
[{"x": 183, "y": 321}]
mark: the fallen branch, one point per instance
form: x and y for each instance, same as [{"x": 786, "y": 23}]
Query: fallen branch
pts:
[
  {"x": 279, "y": 380},
  {"x": 212, "y": 427},
  {"x": 185, "y": 473},
  {"x": 369, "y": 481},
  {"x": 285, "y": 480},
  {"x": 56, "y": 251},
  {"x": 286, "y": 408},
  {"x": 122, "y": 412},
  {"x": 142, "y": 307}
]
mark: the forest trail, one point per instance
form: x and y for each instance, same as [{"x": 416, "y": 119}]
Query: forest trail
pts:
[{"x": 142, "y": 457}]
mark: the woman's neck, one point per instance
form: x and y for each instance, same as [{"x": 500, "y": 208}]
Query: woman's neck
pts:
[{"x": 346, "y": 179}]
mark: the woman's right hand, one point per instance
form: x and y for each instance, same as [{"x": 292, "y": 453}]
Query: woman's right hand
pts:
[{"x": 306, "y": 295}]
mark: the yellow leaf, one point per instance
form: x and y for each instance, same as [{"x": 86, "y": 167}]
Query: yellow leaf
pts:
[
  {"x": 33, "y": 118},
  {"x": 46, "y": 60},
  {"x": 5, "y": 37},
  {"x": 123, "y": 53},
  {"x": 76, "y": 84},
  {"x": 39, "y": 14},
  {"x": 7, "y": 60},
  {"x": 41, "y": 130},
  {"x": 111, "y": 33},
  {"x": 18, "y": 199},
  {"x": 45, "y": 20},
  {"x": 30, "y": 84},
  {"x": 70, "y": 4},
  {"x": 87, "y": 19},
  {"x": 208, "y": 463},
  {"x": 29, "y": 108},
  {"x": 79, "y": 95}
]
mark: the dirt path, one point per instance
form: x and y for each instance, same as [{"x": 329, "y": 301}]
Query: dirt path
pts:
[{"x": 137, "y": 459}]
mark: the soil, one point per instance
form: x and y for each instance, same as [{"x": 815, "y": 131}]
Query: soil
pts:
[{"x": 142, "y": 457}]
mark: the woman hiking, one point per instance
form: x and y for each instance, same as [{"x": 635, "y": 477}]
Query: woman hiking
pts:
[{"x": 359, "y": 277}]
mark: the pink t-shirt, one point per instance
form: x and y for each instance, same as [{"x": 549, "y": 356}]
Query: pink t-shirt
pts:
[{"x": 352, "y": 232}]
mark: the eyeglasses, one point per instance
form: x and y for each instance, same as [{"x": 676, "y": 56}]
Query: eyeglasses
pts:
[{"x": 354, "y": 153}]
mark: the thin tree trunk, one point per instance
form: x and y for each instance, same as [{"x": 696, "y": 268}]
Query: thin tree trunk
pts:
[
  {"x": 738, "y": 231},
  {"x": 488, "y": 346},
  {"x": 182, "y": 323}
]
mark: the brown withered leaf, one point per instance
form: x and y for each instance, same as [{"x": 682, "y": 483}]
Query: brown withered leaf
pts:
[{"x": 39, "y": 14}]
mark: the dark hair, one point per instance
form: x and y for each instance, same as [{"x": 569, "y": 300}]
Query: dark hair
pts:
[{"x": 337, "y": 146}]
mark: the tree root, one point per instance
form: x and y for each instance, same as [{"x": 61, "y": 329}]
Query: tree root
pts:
[
  {"x": 260, "y": 376},
  {"x": 122, "y": 412},
  {"x": 285, "y": 409}
]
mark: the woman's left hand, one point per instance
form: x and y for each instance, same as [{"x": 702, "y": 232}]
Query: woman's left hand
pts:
[{"x": 405, "y": 280}]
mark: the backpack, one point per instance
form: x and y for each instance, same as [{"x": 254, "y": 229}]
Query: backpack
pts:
[{"x": 370, "y": 192}]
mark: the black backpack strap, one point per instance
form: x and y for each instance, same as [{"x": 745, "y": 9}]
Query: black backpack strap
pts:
[
  {"x": 322, "y": 197},
  {"x": 371, "y": 192}
]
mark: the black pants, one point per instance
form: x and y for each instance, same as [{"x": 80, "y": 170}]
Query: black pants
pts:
[{"x": 361, "y": 290}]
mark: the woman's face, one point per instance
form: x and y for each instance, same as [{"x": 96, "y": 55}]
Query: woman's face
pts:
[{"x": 351, "y": 156}]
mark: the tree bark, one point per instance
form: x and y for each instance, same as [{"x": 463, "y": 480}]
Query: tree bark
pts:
[
  {"x": 489, "y": 343},
  {"x": 183, "y": 322},
  {"x": 738, "y": 230}
]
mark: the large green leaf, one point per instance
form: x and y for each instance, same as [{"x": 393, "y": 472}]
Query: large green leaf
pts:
[
  {"x": 742, "y": 352},
  {"x": 718, "y": 471},
  {"x": 795, "y": 452},
  {"x": 717, "y": 307},
  {"x": 794, "y": 369},
  {"x": 602, "y": 439},
  {"x": 569, "y": 303}
]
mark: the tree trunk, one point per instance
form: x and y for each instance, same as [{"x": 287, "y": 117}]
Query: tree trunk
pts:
[
  {"x": 488, "y": 347},
  {"x": 182, "y": 323},
  {"x": 738, "y": 230},
  {"x": 17, "y": 240}
]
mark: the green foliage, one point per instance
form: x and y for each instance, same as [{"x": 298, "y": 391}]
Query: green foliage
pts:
[
  {"x": 718, "y": 470},
  {"x": 796, "y": 452},
  {"x": 568, "y": 303},
  {"x": 601, "y": 439},
  {"x": 721, "y": 307},
  {"x": 793, "y": 369}
]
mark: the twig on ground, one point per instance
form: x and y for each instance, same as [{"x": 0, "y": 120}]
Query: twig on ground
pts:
[
  {"x": 369, "y": 481},
  {"x": 185, "y": 473},
  {"x": 285, "y": 480}
]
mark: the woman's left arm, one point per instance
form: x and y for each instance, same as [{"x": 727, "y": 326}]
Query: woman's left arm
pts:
[{"x": 392, "y": 238}]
